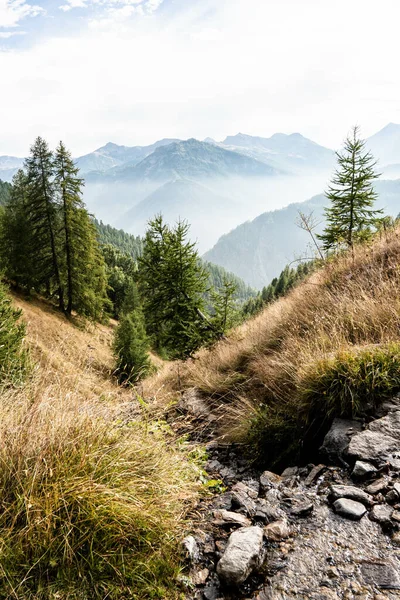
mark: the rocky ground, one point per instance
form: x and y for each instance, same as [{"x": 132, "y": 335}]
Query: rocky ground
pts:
[{"x": 319, "y": 532}]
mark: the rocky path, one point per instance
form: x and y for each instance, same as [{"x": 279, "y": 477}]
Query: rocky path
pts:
[{"x": 319, "y": 532}]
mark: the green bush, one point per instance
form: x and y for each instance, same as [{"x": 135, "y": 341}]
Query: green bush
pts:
[{"x": 13, "y": 357}]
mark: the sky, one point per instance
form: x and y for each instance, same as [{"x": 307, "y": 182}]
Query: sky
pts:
[{"x": 135, "y": 71}]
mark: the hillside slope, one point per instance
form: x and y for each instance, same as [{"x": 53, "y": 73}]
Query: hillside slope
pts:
[
  {"x": 258, "y": 250},
  {"x": 93, "y": 498}
]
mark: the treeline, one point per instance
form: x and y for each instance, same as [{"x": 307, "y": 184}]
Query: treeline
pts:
[
  {"x": 5, "y": 191},
  {"x": 279, "y": 287},
  {"x": 127, "y": 243}
]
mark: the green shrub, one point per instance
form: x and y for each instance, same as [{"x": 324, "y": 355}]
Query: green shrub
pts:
[{"x": 351, "y": 383}]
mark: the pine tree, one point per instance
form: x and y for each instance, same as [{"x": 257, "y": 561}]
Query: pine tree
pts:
[
  {"x": 351, "y": 216},
  {"x": 224, "y": 304},
  {"x": 16, "y": 257},
  {"x": 41, "y": 210},
  {"x": 131, "y": 348},
  {"x": 173, "y": 283},
  {"x": 82, "y": 268}
]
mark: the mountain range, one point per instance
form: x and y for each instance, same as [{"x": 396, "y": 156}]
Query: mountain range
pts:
[{"x": 217, "y": 186}]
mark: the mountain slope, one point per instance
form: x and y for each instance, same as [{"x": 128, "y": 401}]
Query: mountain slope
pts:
[
  {"x": 258, "y": 250},
  {"x": 9, "y": 165},
  {"x": 185, "y": 199},
  {"x": 385, "y": 145},
  {"x": 112, "y": 155},
  {"x": 192, "y": 159},
  {"x": 294, "y": 153}
]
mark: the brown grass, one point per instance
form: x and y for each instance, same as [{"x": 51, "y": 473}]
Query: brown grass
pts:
[{"x": 349, "y": 304}]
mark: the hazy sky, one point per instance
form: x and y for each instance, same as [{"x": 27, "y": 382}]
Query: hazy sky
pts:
[{"x": 133, "y": 71}]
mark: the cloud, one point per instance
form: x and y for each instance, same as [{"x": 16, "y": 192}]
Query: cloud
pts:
[
  {"x": 205, "y": 68},
  {"x": 123, "y": 8},
  {"x": 5, "y": 35},
  {"x": 14, "y": 11}
]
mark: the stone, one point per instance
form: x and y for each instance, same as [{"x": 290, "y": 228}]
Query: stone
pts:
[
  {"x": 277, "y": 531},
  {"x": 381, "y": 513},
  {"x": 392, "y": 497},
  {"x": 396, "y": 538},
  {"x": 223, "y": 501},
  {"x": 191, "y": 548},
  {"x": 242, "y": 501},
  {"x": 388, "y": 406},
  {"x": 200, "y": 577},
  {"x": 363, "y": 470},
  {"x": 349, "y": 509},
  {"x": 377, "y": 486},
  {"x": 242, "y": 555},
  {"x": 290, "y": 472},
  {"x": 302, "y": 510},
  {"x": 383, "y": 575},
  {"x": 396, "y": 488},
  {"x": 267, "y": 512},
  {"x": 351, "y": 492},
  {"x": 269, "y": 480},
  {"x": 314, "y": 474},
  {"x": 338, "y": 438},
  {"x": 396, "y": 516},
  {"x": 226, "y": 517},
  {"x": 379, "y": 442},
  {"x": 193, "y": 404},
  {"x": 242, "y": 488}
]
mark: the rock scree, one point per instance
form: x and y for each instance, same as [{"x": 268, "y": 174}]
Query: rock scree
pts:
[{"x": 316, "y": 532}]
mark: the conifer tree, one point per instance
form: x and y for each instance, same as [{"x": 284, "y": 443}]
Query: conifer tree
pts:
[
  {"x": 351, "y": 216},
  {"x": 83, "y": 267},
  {"x": 16, "y": 256},
  {"x": 131, "y": 348},
  {"x": 41, "y": 210},
  {"x": 225, "y": 311},
  {"x": 173, "y": 283}
]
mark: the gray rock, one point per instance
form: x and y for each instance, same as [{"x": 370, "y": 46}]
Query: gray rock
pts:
[
  {"x": 337, "y": 439},
  {"x": 363, "y": 470},
  {"x": 388, "y": 406},
  {"x": 269, "y": 480},
  {"x": 267, "y": 512},
  {"x": 193, "y": 403},
  {"x": 314, "y": 474},
  {"x": 380, "y": 485},
  {"x": 383, "y": 575},
  {"x": 381, "y": 513},
  {"x": 379, "y": 442},
  {"x": 277, "y": 531},
  {"x": 191, "y": 548},
  {"x": 396, "y": 488},
  {"x": 242, "y": 555},
  {"x": 302, "y": 510},
  {"x": 350, "y": 492},
  {"x": 392, "y": 497},
  {"x": 226, "y": 517},
  {"x": 242, "y": 501},
  {"x": 349, "y": 509},
  {"x": 290, "y": 472}
]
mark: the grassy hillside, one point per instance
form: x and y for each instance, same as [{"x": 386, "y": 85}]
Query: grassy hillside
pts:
[
  {"x": 93, "y": 499},
  {"x": 330, "y": 348}
]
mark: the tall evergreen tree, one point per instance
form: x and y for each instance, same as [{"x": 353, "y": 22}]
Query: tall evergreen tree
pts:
[
  {"x": 17, "y": 259},
  {"x": 42, "y": 218},
  {"x": 173, "y": 283},
  {"x": 351, "y": 216},
  {"x": 225, "y": 309},
  {"x": 131, "y": 347},
  {"x": 82, "y": 267}
]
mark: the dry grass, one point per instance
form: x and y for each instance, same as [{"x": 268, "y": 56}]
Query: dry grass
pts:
[
  {"x": 258, "y": 381},
  {"x": 93, "y": 499}
]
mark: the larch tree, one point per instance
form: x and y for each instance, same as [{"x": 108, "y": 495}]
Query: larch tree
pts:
[
  {"x": 351, "y": 215},
  {"x": 83, "y": 267},
  {"x": 41, "y": 210}
]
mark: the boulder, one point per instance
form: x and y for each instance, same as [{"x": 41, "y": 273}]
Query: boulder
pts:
[
  {"x": 381, "y": 513},
  {"x": 290, "y": 472},
  {"x": 350, "y": 492},
  {"x": 337, "y": 439},
  {"x": 380, "y": 485},
  {"x": 349, "y": 509},
  {"x": 242, "y": 555},
  {"x": 303, "y": 510},
  {"x": 379, "y": 442}
]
